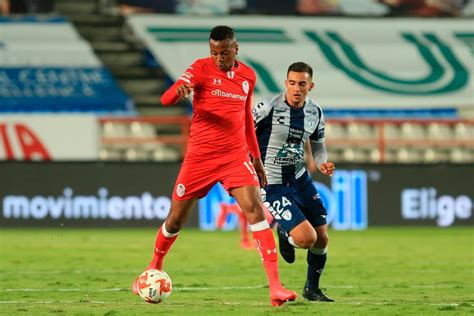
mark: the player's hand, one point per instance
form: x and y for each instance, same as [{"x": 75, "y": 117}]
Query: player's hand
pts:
[
  {"x": 260, "y": 169},
  {"x": 327, "y": 168},
  {"x": 183, "y": 90}
]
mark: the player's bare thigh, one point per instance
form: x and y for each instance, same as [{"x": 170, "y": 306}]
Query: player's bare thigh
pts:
[
  {"x": 304, "y": 235},
  {"x": 179, "y": 214},
  {"x": 250, "y": 202}
]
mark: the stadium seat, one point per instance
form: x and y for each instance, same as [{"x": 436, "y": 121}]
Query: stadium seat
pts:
[
  {"x": 407, "y": 155},
  {"x": 336, "y": 131},
  {"x": 374, "y": 155},
  {"x": 413, "y": 131},
  {"x": 439, "y": 131},
  {"x": 111, "y": 129},
  {"x": 360, "y": 131},
  {"x": 142, "y": 130},
  {"x": 110, "y": 154},
  {"x": 354, "y": 155},
  {"x": 460, "y": 155},
  {"x": 165, "y": 153},
  {"x": 136, "y": 154},
  {"x": 392, "y": 131},
  {"x": 461, "y": 131}
]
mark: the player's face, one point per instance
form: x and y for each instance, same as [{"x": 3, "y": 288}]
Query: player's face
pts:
[
  {"x": 298, "y": 84},
  {"x": 223, "y": 53}
]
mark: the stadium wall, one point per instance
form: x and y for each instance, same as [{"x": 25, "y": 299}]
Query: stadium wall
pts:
[{"x": 123, "y": 194}]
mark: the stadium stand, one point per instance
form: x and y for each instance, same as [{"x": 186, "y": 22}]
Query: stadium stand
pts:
[
  {"x": 102, "y": 29},
  {"x": 47, "y": 67}
]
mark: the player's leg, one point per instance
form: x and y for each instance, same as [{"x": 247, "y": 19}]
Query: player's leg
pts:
[
  {"x": 294, "y": 231},
  {"x": 316, "y": 258},
  {"x": 317, "y": 255},
  {"x": 244, "y": 230},
  {"x": 167, "y": 234},
  {"x": 250, "y": 202}
]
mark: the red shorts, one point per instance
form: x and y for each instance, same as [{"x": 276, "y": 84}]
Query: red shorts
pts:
[{"x": 196, "y": 179}]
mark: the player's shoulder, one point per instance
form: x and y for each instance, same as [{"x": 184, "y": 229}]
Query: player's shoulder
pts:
[
  {"x": 313, "y": 107},
  {"x": 201, "y": 62},
  {"x": 272, "y": 101},
  {"x": 247, "y": 70}
]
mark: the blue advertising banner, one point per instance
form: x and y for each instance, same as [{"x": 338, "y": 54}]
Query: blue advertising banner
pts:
[
  {"x": 57, "y": 89},
  {"x": 345, "y": 199}
]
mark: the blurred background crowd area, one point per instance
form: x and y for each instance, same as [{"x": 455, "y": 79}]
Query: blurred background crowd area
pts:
[
  {"x": 113, "y": 59},
  {"x": 415, "y": 8}
]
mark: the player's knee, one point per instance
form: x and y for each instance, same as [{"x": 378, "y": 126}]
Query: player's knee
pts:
[
  {"x": 174, "y": 226},
  {"x": 322, "y": 241},
  {"x": 306, "y": 241}
]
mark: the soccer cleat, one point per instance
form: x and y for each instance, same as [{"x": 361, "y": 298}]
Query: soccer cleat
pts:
[
  {"x": 316, "y": 295},
  {"x": 287, "y": 251},
  {"x": 281, "y": 296}
]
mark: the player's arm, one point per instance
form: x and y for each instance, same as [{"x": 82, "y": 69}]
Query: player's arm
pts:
[
  {"x": 252, "y": 143},
  {"x": 182, "y": 87},
  {"x": 308, "y": 157},
  {"x": 318, "y": 149},
  {"x": 260, "y": 111},
  {"x": 178, "y": 91}
]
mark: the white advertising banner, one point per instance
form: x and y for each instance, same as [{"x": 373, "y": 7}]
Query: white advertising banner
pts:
[
  {"x": 48, "y": 137},
  {"x": 43, "y": 43},
  {"x": 358, "y": 63}
]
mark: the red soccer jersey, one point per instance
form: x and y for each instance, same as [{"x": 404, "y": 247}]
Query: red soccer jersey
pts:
[{"x": 222, "y": 122}]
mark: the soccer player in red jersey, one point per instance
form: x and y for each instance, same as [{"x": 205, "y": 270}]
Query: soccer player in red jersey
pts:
[{"x": 221, "y": 137}]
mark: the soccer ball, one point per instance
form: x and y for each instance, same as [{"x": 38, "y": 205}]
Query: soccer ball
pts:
[{"x": 154, "y": 286}]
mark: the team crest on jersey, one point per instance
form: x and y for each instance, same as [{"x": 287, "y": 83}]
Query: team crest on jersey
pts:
[
  {"x": 245, "y": 86},
  {"x": 180, "y": 190}
]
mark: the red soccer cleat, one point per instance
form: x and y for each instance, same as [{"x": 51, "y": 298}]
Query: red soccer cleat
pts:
[{"x": 280, "y": 296}]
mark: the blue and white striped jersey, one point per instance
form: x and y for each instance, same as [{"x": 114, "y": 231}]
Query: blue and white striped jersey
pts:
[{"x": 281, "y": 134}]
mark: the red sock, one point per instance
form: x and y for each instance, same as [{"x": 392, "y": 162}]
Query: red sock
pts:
[
  {"x": 163, "y": 243},
  {"x": 265, "y": 243}
]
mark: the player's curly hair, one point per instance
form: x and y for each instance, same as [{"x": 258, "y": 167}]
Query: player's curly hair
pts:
[
  {"x": 222, "y": 32},
  {"x": 300, "y": 67}
]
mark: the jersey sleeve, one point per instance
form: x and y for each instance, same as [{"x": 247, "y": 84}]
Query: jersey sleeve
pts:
[
  {"x": 190, "y": 76},
  {"x": 251, "y": 138},
  {"x": 261, "y": 111},
  {"x": 319, "y": 133}
]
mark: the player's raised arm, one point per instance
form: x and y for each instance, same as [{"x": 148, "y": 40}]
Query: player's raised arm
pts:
[
  {"x": 183, "y": 87},
  {"x": 178, "y": 91}
]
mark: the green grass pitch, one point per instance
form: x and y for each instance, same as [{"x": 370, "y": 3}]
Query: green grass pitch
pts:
[{"x": 392, "y": 271}]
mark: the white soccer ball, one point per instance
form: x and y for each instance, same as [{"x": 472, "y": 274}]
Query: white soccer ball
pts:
[{"x": 154, "y": 286}]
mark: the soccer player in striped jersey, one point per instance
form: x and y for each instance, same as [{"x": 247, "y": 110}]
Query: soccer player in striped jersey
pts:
[
  {"x": 222, "y": 135},
  {"x": 284, "y": 123}
]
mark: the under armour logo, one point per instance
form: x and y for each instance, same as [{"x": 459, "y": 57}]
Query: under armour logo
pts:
[
  {"x": 269, "y": 251},
  {"x": 159, "y": 251},
  {"x": 217, "y": 81}
]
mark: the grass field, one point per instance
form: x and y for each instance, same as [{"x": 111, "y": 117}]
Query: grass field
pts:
[{"x": 414, "y": 271}]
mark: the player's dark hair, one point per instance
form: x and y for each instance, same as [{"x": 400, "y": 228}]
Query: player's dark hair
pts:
[
  {"x": 300, "y": 67},
  {"x": 222, "y": 32}
]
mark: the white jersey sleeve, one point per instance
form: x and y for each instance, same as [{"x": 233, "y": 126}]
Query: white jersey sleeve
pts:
[{"x": 261, "y": 110}]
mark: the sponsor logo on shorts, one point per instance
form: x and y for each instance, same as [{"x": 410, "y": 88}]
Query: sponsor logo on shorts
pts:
[{"x": 180, "y": 190}]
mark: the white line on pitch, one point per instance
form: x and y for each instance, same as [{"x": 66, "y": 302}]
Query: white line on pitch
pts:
[{"x": 429, "y": 286}]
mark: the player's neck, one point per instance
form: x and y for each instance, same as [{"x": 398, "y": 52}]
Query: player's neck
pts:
[{"x": 293, "y": 104}]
